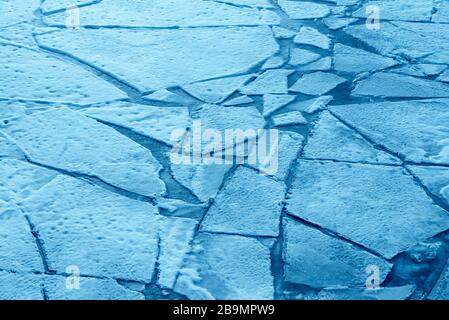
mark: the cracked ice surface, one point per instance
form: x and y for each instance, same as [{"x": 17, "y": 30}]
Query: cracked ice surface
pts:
[{"x": 90, "y": 117}]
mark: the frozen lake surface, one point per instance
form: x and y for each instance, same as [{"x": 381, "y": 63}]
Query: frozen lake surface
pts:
[{"x": 97, "y": 97}]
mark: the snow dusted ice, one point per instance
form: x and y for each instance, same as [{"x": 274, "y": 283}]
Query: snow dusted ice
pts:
[{"x": 352, "y": 97}]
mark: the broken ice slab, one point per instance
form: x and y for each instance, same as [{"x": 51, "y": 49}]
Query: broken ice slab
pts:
[
  {"x": 18, "y": 246},
  {"x": 272, "y": 103},
  {"x": 441, "y": 289},
  {"x": 332, "y": 140},
  {"x": 355, "y": 60},
  {"x": 68, "y": 140},
  {"x": 404, "y": 10},
  {"x": 273, "y": 63},
  {"x": 249, "y": 3},
  {"x": 291, "y": 118},
  {"x": 436, "y": 179},
  {"x": 33, "y": 75},
  {"x": 226, "y": 267},
  {"x": 304, "y": 10},
  {"x": 21, "y": 179},
  {"x": 392, "y": 85},
  {"x": 444, "y": 77},
  {"x": 432, "y": 69},
  {"x": 426, "y": 251},
  {"x": 317, "y": 83},
  {"x": 155, "y": 122},
  {"x": 12, "y": 109},
  {"x": 18, "y": 286},
  {"x": 323, "y": 64},
  {"x": 283, "y": 33},
  {"x": 9, "y": 149},
  {"x": 65, "y": 288},
  {"x": 170, "y": 57},
  {"x": 14, "y": 12},
  {"x": 338, "y": 197},
  {"x": 442, "y": 13},
  {"x": 312, "y": 105},
  {"x": 203, "y": 180},
  {"x": 382, "y": 293},
  {"x": 289, "y": 147},
  {"x": 338, "y": 22},
  {"x": 318, "y": 260},
  {"x": 238, "y": 101},
  {"x": 415, "y": 130},
  {"x": 420, "y": 70},
  {"x": 347, "y": 2},
  {"x": 234, "y": 125},
  {"x": 102, "y": 233},
  {"x": 312, "y": 37},
  {"x": 248, "y": 204},
  {"x": 271, "y": 81},
  {"x": 165, "y": 95},
  {"x": 302, "y": 56},
  {"x": 167, "y": 13},
  {"x": 176, "y": 235},
  {"x": 215, "y": 91},
  {"x": 409, "y": 39},
  {"x": 20, "y": 34}
]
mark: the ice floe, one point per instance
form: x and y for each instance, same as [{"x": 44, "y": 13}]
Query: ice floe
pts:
[
  {"x": 318, "y": 260},
  {"x": 168, "y": 57},
  {"x": 382, "y": 293},
  {"x": 14, "y": 11},
  {"x": 415, "y": 130},
  {"x": 404, "y": 10},
  {"x": 33, "y": 75},
  {"x": 409, "y": 39},
  {"x": 92, "y": 289},
  {"x": 441, "y": 289},
  {"x": 70, "y": 141},
  {"x": 226, "y": 267},
  {"x": 303, "y": 9},
  {"x": 317, "y": 83},
  {"x": 102, "y": 233},
  {"x": 333, "y": 140},
  {"x": 288, "y": 119},
  {"x": 338, "y": 197},
  {"x": 203, "y": 180},
  {"x": 301, "y": 56},
  {"x": 271, "y": 81},
  {"x": 176, "y": 235},
  {"x": 312, "y": 37},
  {"x": 155, "y": 122},
  {"x": 166, "y": 13},
  {"x": 436, "y": 179},
  {"x": 384, "y": 84},
  {"x": 16, "y": 286},
  {"x": 215, "y": 91},
  {"x": 272, "y": 102},
  {"x": 289, "y": 146},
  {"x": 249, "y": 204},
  {"x": 350, "y": 59}
]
